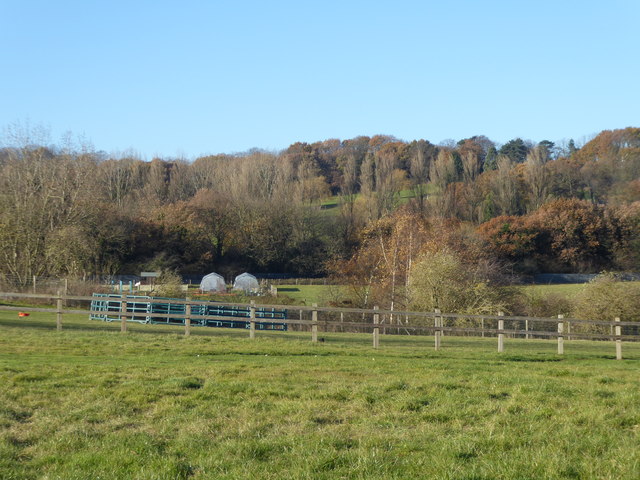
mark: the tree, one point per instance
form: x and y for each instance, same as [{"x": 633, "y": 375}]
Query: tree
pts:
[
  {"x": 42, "y": 193},
  {"x": 572, "y": 147},
  {"x": 443, "y": 169},
  {"x": 349, "y": 219},
  {"x": 536, "y": 175},
  {"x": 516, "y": 150},
  {"x": 120, "y": 180},
  {"x": 471, "y": 166},
  {"x": 575, "y": 235},
  {"x": 419, "y": 167},
  {"x": 505, "y": 188},
  {"x": 440, "y": 280},
  {"x": 511, "y": 238},
  {"x": 378, "y": 270},
  {"x": 548, "y": 148},
  {"x": 491, "y": 160}
]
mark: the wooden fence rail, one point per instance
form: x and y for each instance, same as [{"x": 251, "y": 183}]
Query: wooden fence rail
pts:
[{"x": 370, "y": 320}]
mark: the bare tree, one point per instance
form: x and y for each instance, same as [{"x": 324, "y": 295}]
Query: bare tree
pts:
[
  {"x": 537, "y": 177},
  {"x": 470, "y": 166},
  {"x": 443, "y": 170},
  {"x": 505, "y": 187},
  {"x": 419, "y": 167}
]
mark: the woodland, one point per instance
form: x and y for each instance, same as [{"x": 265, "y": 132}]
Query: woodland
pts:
[{"x": 367, "y": 210}]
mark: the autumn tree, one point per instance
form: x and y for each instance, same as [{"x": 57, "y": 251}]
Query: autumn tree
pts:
[
  {"x": 536, "y": 175},
  {"x": 575, "y": 235},
  {"x": 471, "y": 165},
  {"x": 423, "y": 155},
  {"x": 441, "y": 280},
  {"x": 506, "y": 194},
  {"x": 511, "y": 238},
  {"x": 443, "y": 169},
  {"x": 378, "y": 270},
  {"x": 349, "y": 218}
]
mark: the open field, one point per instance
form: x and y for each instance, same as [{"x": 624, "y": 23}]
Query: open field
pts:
[
  {"x": 568, "y": 290},
  {"x": 90, "y": 402},
  {"x": 308, "y": 294}
]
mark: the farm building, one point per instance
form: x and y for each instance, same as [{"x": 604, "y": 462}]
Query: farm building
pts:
[
  {"x": 213, "y": 283},
  {"x": 246, "y": 282}
]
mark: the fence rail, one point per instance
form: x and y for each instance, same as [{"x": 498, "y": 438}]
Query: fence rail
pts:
[{"x": 369, "y": 320}]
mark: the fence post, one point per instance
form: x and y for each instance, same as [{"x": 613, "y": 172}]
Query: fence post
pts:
[
  {"x": 500, "y": 335},
  {"x": 187, "y": 319},
  {"x": 66, "y": 290},
  {"x": 568, "y": 330},
  {"x": 560, "y": 336},
  {"x": 314, "y": 324},
  {"x": 252, "y": 319},
  {"x": 376, "y": 329},
  {"x": 123, "y": 313},
  {"x": 526, "y": 329},
  {"x": 618, "y": 340},
  {"x": 58, "y": 312},
  {"x": 436, "y": 322},
  {"x": 34, "y": 285}
]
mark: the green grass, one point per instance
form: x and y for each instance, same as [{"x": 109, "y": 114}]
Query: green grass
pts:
[
  {"x": 89, "y": 402},
  {"x": 310, "y": 294},
  {"x": 565, "y": 290}
]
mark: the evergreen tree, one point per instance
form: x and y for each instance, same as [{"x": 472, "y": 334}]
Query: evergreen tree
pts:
[
  {"x": 516, "y": 150},
  {"x": 490, "y": 161}
]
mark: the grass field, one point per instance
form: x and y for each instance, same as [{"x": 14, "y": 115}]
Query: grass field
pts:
[
  {"x": 89, "y": 403},
  {"x": 320, "y": 294},
  {"x": 309, "y": 294},
  {"x": 568, "y": 290}
]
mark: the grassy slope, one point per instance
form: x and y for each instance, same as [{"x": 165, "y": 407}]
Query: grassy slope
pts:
[{"x": 92, "y": 403}]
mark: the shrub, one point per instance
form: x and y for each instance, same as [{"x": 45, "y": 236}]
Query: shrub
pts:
[
  {"x": 605, "y": 298},
  {"x": 441, "y": 280},
  {"x": 169, "y": 284},
  {"x": 536, "y": 304}
]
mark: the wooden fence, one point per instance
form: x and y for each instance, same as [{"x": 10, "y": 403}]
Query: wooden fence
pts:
[{"x": 373, "y": 320}]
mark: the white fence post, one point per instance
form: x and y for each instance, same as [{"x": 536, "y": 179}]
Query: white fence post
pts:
[
  {"x": 376, "y": 329},
  {"x": 123, "y": 313},
  {"x": 618, "y": 340},
  {"x": 500, "y": 335},
  {"x": 314, "y": 324},
  {"x": 252, "y": 320},
  {"x": 187, "y": 318},
  {"x": 560, "y": 335}
]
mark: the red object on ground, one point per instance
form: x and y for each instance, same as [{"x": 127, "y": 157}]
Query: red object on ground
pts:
[{"x": 23, "y": 314}]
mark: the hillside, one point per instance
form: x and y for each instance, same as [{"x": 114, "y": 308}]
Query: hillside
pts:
[{"x": 530, "y": 206}]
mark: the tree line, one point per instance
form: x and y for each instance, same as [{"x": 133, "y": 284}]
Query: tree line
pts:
[{"x": 67, "y": 210}]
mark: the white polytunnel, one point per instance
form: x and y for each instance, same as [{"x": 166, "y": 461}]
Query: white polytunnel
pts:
[
  {"x": 246, "y": 282},
  {"x": 213, "y": 283}
]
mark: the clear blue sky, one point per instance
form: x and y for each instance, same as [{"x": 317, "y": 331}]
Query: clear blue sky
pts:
[{"x": 197, "y": 77}]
